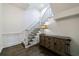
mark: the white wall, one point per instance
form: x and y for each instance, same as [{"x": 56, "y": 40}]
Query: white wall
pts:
[
  {"x": 31, "y": 17},
  {"x": 70, "y": 27},
  {"x": 12, "y": 39},
  {"x": 53, "y": 28},
  {"x": 13, "y": 19},
  {"x": 67, "y": 12},
  {"x": 1, "y": 45},
  {"x": 12, "y": 25}
]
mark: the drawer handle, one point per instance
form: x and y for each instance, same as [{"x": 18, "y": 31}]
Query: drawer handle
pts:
[{"x": 54, "y": 43}]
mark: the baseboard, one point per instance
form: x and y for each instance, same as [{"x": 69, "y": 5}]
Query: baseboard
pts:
[{"x": 11, "y": 44}]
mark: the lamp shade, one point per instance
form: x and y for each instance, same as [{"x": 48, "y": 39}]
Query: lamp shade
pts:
[{"x": 44, "y": 26}]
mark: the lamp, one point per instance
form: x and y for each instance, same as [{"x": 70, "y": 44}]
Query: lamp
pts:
[{"x": 44, "y": 26}]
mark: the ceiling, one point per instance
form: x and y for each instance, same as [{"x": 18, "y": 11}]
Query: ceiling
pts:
[
  {"x": 21, "y": 5},
  {"x": 60, "y": 7},
  {"x": 56, "y": 7},
  {"x": 29, "y": 5}
]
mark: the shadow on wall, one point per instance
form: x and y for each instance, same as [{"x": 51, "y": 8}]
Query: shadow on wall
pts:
[{"x": 74, "y": 51}]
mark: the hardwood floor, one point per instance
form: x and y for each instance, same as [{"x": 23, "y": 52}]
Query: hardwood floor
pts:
[{"x": 19, "y": 50}]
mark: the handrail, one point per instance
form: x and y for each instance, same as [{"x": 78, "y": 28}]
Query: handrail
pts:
[
  {"x": 45, "y": 12},
  {"x": 38, "y": 21},
  {"x": 34, "y": 25}
]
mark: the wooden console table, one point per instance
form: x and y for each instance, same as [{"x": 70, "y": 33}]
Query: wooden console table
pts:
[{"x": 57, "y": 44}]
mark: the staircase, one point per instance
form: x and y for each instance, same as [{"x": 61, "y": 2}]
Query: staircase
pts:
[{"x": 33, "y": 33}]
